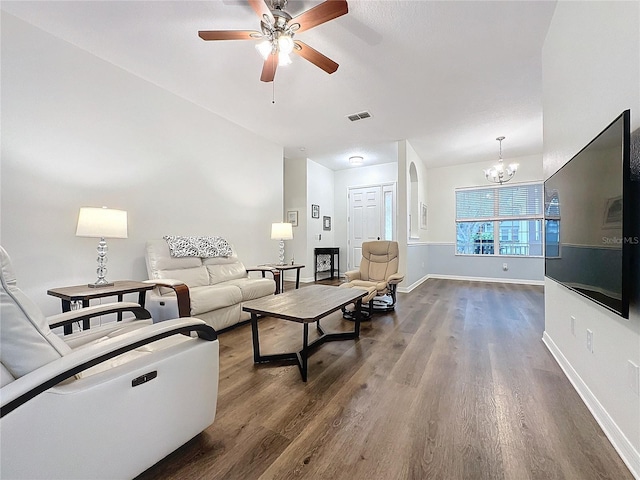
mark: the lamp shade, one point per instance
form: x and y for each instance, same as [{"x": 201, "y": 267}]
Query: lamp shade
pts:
[
  {"x": 281, "y": 231},
  {"x": 102, "y": 222}
]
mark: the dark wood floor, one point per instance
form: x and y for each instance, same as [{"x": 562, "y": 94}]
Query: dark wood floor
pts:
[{"x": 455, "y": 384}]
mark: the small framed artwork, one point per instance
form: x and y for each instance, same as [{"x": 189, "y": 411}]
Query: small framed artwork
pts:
[
  {"x": 315, "y": 211},
  {"x": 326, "y": 223},
  {"x": 292, "y": 217},
  {"x": 423, "y": 216}
]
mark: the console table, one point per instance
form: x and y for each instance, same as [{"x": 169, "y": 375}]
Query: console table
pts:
[{"x": 334, "y": 254}]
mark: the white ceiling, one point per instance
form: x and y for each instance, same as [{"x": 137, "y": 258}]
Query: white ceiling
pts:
[{"x": 449, "y": 76}]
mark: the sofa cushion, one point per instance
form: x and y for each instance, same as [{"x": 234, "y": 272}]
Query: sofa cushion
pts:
[
  {"x": 192, "y": 277},
  {"x": 226, "y": 272},
  {"x": 253, "y": 287},
  {"x": 159, "y": 258},
  {"x": 23, "y": 328},
  {"x": 5, "y": 376},
  {"x": 212, "y": 297}
]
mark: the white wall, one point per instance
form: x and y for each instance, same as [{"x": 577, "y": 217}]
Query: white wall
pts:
[
  {"x": 78, "y": 131},
  {"x": 441, "y": 259},
  {"x": 295, "y": 199},
  {"x": 320, "y": 191},
  {"x": 591, "y": 73}
]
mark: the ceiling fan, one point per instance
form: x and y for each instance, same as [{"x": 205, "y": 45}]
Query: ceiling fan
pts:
[{"x": 277, "y": 31}]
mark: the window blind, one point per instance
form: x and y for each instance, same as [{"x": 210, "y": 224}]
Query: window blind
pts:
[{"x": 499, "y": 202}]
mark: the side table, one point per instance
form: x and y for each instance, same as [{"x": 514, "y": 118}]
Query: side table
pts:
[
  {"x": 282, "y": 269},
  {"x": 84, "y": 294}
]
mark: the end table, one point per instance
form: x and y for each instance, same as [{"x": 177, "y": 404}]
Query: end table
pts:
[{"x": 84, "y": 294}]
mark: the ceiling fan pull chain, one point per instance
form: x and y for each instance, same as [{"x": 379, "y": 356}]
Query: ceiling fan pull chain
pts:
[{"x": 273, "y": 91}]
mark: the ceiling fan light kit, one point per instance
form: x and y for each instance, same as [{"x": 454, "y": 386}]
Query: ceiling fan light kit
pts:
[
  {"x": 499, "y": 173},
  {"x": 277, "y": 31}
]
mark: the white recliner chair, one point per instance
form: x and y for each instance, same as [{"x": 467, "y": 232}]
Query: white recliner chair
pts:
[{"x": 108, "y": 402}]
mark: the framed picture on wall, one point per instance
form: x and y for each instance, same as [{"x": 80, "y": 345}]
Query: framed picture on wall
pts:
[
  {"x": 315, "y": 211},
  {"x": 292, "y": 217},
  {"x": 326, "y": 223},
  {"x": 423, "y": 216}
]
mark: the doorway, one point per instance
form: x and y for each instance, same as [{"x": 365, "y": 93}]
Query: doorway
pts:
[{"x": 371, "y": 216}]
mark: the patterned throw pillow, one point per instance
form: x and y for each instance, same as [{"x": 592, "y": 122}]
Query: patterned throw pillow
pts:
[{"x": 203, "y": 247}]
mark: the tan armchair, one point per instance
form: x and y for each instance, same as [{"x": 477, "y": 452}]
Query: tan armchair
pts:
[{"x": 378, "y": 269}]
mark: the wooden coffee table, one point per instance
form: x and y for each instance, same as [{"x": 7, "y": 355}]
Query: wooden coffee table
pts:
[{"x": 305, "y": 305}]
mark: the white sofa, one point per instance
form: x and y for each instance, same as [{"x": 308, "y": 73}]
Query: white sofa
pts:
[{"x": 216, "y": 287}]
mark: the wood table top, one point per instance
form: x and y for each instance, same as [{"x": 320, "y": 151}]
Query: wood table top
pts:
[
  {"x": 304, "y": 305},
  {"x": 84, "y": 291}
]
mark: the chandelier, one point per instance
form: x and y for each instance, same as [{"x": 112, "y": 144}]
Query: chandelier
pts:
[{"x": 499, "y": 173}]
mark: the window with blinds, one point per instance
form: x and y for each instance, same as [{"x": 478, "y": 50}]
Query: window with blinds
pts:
[{"x": 500, "y": 220}]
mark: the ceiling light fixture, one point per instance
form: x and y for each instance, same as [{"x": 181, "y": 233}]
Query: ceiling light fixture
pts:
[
  {"x": 277, "y": 37},
  {"x": 498, "y": 173},
  {"x": 356, "y": 160}
]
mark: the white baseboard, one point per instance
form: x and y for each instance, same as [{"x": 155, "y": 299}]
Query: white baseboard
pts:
[
  {"x": 625, "y": 449},
  {"x": 414, "y": 285}
]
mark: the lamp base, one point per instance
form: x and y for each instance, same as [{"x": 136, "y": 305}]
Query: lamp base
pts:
[{"x": 100, "y": 285}]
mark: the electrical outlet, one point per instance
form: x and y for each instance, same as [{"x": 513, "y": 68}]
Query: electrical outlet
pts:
[
  {"x": 573, "y": 325},
  {"x": 633, "y": 372},
  {"x": 505, "y": 267},
  {"x": 589, "y": 340}
]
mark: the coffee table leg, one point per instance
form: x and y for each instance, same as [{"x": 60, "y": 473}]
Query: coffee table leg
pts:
[
  {"x": 256, "y": 340},
  {"x": 358, "y": 316},
  {"x": 304, "y": 354}
]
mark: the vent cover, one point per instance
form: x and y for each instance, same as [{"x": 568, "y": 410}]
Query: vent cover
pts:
[{"x": 358, "y": 116}]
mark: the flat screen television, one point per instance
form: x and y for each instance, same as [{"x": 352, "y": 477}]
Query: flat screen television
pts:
[{"x": 588, "y": 222}]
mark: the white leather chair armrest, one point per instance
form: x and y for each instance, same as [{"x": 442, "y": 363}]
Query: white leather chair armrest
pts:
[
  {"x": 395, "y": 278},
  {"x": 24, "y": 388},
  {"x": 182, "y": 294},
  {"x": 95, "y": 311},
  {"x": 352, "y": 275}
]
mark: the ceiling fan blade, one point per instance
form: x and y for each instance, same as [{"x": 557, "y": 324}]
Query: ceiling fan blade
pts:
[
  {"x": 229, "y": 34},
  {"x": 320, "y": 14},
  {"x": 269, "y": 68},
  {"x": 315, "y": 57},
  {"x": 261, "y": 9}
]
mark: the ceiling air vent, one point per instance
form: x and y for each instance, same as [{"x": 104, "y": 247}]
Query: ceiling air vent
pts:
[{"x": 358, "y": 116}]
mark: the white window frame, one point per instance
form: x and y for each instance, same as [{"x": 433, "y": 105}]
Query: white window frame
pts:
[{"x": 496, "y": 219}]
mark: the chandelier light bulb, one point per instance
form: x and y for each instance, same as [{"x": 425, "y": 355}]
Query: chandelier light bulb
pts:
[
  {"x": 284, "y": 59},
  {"x": 285, "y": 44},
  {"x": 265, "y": 48}
]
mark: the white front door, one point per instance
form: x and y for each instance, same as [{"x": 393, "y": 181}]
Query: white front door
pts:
[{"x": 371, "y": 217}]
